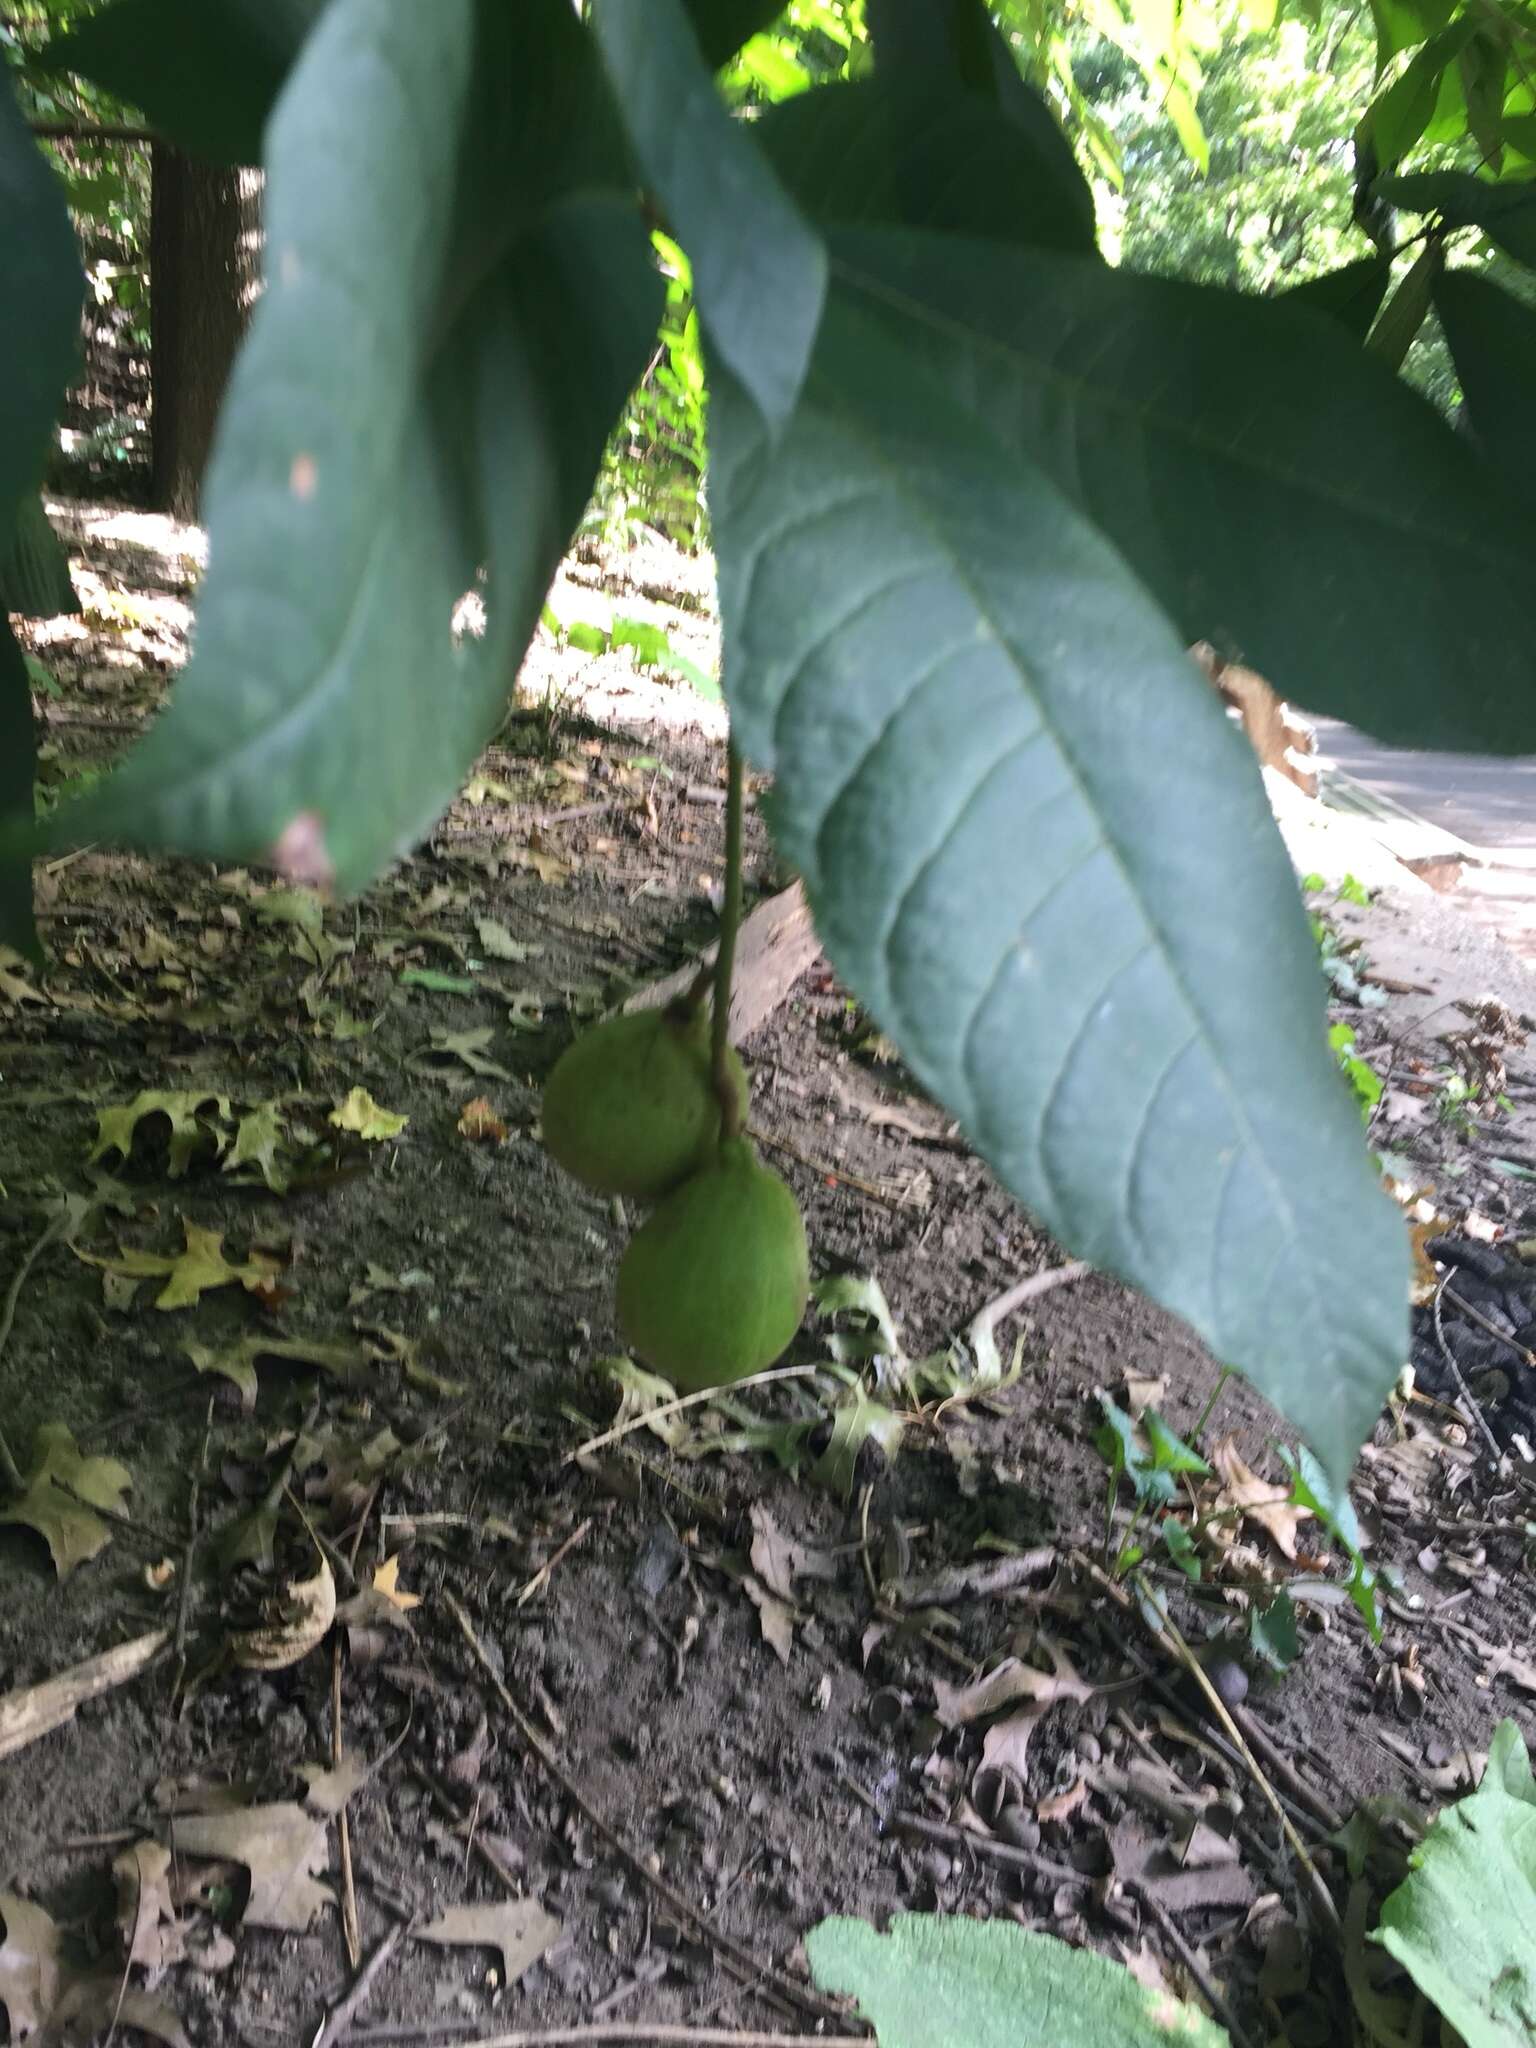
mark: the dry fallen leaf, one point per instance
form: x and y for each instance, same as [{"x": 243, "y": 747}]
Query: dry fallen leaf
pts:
[
  {"x": 779, "y": 1560},
  {"x": 360, "y": 1113},
  {"x": 190, "y": 1275},
  {"x": 1260, "y": 1499},
  {"x": 519, "y": 1928},
  {"x": 1012, "y": 1680},
  {"x": 40, "y": 1995},
  {"x": 66, "y": 1524},
  {"x": 146, "y": 1918},
  {"x": 479, "y": 1122},
  {"x": 775, "y": 1617},
  {"x": 308, "y": 1609},
  {"x": 1065, "y": 1804},
  {"x": 282, "y": 1846},
  {"x": 386, "y": 1580},
  {"x": 29, "y": 1965},
  {"x": 236, "y": 1362},
  {"x": 328, "y": 1787}
]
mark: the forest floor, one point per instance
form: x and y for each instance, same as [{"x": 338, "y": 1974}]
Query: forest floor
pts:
[{"x": 613, "y": 1723}]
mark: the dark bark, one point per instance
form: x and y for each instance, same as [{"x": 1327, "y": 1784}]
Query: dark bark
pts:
[{"x": 203, "y": 240}]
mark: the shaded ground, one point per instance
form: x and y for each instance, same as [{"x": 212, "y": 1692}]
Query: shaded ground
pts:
[{"x": 715, "y": 1667}]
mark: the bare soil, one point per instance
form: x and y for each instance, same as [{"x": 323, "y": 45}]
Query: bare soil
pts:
[{"x": 624, "y": 1694}]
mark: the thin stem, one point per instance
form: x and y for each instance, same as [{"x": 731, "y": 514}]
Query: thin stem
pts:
[
  {"x": 1227, "y": 1372},
  {"x": 59, "y": 1227},
  {"x": 725, "y": 959}
]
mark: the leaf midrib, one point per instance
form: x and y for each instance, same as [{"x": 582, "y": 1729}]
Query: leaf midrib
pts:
[{"x": 918, "y": 507}]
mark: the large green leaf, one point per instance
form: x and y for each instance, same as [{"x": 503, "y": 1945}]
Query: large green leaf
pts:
[
  {"x": 418, "y": 412},
  {"x": 936, "y": 1981},
  {"x": 1506, "y": 213},
  {"x": 865, "y": 152},
  {"x": 759, "y": 272},
  {"x": 722, "y": 26},
  {"x": 1405, "y": 312},
  {"x": 18, "y": 758},
  {"x": 1036, "y": 848},
  {"x": 1352, "y": 295},
  {"x": 39, "y": 345},
  {"x": 1400, "y": 115},
  {"x": 1281, "y": 494},
  {"x": 34, "y": 569},
  {"x": 936, "y": 52},
  {"x": 206, "y": 72},
  {"x": 1463, "y": 1924},
  {"x": 1492, "y": 338},
  {"x": 39, "y": 307}
]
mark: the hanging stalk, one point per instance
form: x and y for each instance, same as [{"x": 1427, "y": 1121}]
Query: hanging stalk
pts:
[{"x": 725, "y": 958}]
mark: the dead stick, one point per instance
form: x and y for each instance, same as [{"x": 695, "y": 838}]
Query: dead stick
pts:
[
  {"x": 987, "y": 1848},
  {"x": 648, "y": 2035},
  {"x": 337, "y": 2023},
  {"x": 755, "y": 1379},
  {"x": 1218, "y": 1705},
  {"x": 541, "y": 1576},
  {"x": 350, "y": 1925},
  {"x": 772, "y": 1981},
  {"x": 986, "y": 1320},
  {"x": 1210, "y": 1991}
]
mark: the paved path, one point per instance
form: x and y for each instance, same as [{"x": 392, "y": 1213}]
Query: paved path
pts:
[{"x": 1488, "y": 802}]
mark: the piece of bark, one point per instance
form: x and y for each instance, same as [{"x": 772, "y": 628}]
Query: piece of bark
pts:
[
  {"x": 35, "y": 1710},
  {"x": 774, "y": 947}
]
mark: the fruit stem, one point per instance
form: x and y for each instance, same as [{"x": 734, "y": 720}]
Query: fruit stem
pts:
[{"x": 725, "y": 958}]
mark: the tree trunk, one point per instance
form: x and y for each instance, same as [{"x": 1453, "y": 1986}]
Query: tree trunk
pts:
[{"x": 203, "y": 241}]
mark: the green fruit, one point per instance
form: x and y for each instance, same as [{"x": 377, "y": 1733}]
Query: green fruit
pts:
[
  {"x": 630, "y": 1108},
  {"x": 714, "y": 1285}
]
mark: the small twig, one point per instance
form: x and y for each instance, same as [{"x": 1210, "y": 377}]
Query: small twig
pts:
[
  {"x": 478, "y": 1844},
  {"x": 866, "y": 1495},
  {"x": 649, "y": 2034},
  {"x": 771, "y": 1983},
  {"x": 351, "y": 1927},
  {"x": 337, "y": 2023},
  {"x": 1473, "y": 1412},
  {"x": 184, "y": 1606},
  {"x": 986, "y": 1320},
  {"x": 1305, "y": 1795},
  {"x": 623, "y": 1429},
  {"x": 987, "y": 1847},
  {"x": 541, "y": 1576},
  {"x": 977, "y": 1580},
  {"x": 1482, "y": 1321},
  {"x": 58, "y": 1227},
  {"x": 1218, "y": 1706},
  {"x": 1210, "y": 1991}
]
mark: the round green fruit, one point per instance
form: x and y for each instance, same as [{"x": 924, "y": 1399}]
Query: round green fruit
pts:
[
  {"x": 630, "y": 1108},
  {"x": 713, "y": 1287}
]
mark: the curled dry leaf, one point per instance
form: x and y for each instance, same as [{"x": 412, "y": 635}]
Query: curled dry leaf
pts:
[
  {"x": 479, "y": 1122},
  {"x": 1261, "y": 1501},
  {"x": 308, "y": 1611},
  {"x": 1065, "y": 1804}
]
